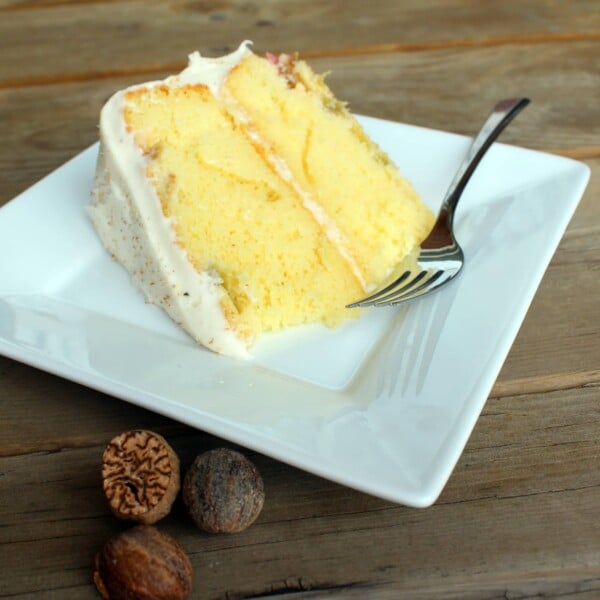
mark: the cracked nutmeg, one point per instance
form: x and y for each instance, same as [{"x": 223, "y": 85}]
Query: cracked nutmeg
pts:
[
  {"x": 143, "y": 564},
  {"x": 223, "y": 491},
  {"x": 140, "y": 475}
]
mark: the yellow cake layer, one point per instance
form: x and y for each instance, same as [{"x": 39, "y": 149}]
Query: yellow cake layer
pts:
[
  {"x": 234, "y": 216},
  {"x": 378, "y": 212}
]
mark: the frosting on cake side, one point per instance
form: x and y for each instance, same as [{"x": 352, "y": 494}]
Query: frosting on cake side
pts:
[{"x": 127, "y": 215}]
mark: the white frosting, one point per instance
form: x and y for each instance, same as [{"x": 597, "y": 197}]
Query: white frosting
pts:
[
  {"x": 127, "y": 214},
  {"x": 211, "y": 71}
]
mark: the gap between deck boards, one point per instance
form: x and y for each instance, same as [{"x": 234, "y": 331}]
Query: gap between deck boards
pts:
[
  {"x": 545, "y": 383},
  {"x": 45, "y": 5}
]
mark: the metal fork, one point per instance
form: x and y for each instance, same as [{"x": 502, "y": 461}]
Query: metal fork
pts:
[{"x": 441, "y": 258}]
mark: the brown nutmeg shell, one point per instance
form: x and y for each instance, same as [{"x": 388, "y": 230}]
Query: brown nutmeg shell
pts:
[
  {"x": 143, "y": 564},
  {"x": 223, "y": 491},
  {"x": 140, "y": 476}
]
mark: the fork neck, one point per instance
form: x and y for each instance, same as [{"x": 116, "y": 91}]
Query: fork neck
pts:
[
  {"x": 441, "y": 234},
  {"x": 502, "y": 114}
]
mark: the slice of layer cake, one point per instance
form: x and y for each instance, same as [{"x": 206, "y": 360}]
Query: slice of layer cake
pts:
[{"x": 243, "y": 197}]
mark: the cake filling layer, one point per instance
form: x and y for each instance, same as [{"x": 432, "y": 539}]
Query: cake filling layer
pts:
[
  {"x": 379, "y": 215},
  {"x": 235, "y": 217}
]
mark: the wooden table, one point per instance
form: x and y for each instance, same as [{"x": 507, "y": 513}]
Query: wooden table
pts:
[{"x": 520, "y": 516}]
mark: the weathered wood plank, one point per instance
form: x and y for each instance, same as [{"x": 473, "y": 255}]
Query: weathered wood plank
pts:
[
  {"x": 41, "y": 127},
  {"x": 530, "y": 444},
  {"x": 565, "y": 589},
  {"x": 15, "y": 5},
  {"x": 44, "y": 413},
  {"x": 122, "y": 36},
  {"x": 531, "y": 461},
  {"x": 453, "y": 89}
]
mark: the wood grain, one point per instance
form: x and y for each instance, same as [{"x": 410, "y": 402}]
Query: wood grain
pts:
[
  {"x": 502, "y": 477},
  {"x": 120, "y": 37}
]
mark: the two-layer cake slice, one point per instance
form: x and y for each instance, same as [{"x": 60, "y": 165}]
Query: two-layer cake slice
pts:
[{"x": 243, "y": 197}]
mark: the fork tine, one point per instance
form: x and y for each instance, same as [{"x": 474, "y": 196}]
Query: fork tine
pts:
[
  {"x": 394, "y": 289},
  {"x": 366, "y": 301},
  {"x": 440, "y": 248},
  {"x": 421, "y": 282},
  {"x": 433, "y": 282}
]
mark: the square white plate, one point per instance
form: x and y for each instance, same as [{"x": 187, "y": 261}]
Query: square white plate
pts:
[{"x": 384, "y": 405}]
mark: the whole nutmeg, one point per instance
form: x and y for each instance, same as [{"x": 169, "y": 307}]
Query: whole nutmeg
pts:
[
  {"x": 143, "y": 564},
  {"x": 140, "y": 476},
  {"x": 223, "y": 491}
]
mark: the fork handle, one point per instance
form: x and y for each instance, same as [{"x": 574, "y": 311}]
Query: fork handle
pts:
[{"x": 502, "y": 114}]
